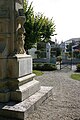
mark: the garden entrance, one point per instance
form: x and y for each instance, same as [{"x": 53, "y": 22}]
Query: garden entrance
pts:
[{"x": 66, "y": 64}]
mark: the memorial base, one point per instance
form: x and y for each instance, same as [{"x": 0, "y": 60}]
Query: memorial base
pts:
[
  {"x": 20, "y": 93},
  {"x": 21, "y": 110},
  {"x": 19, "y": 82}
]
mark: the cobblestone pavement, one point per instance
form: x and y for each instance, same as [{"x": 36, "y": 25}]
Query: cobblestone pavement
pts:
[{"x": 64, "y": 104}]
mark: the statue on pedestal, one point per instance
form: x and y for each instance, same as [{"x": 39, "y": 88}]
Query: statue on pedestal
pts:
[
  {"x": 20, "y": 40},
  {"x": 20, "y": 33}
]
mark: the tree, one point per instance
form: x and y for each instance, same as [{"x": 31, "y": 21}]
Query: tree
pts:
[
  {"x": 37, "y": 27},
  {"x": 57, "y": 50},
  {"x": 25, "y": 5},
  {"x": 48, "y": 29},
  {"x": 29, "y": 14}
]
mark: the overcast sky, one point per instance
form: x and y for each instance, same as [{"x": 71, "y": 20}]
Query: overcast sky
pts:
[{"x": 65, "y": 13}]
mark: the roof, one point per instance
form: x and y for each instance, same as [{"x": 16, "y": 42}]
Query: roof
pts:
[{"x": 73, "y": 39}]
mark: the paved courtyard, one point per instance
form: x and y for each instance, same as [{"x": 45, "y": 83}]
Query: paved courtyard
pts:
[{"x": 64, "y": 104}]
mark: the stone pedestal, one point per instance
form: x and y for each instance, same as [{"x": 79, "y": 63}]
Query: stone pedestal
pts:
[
  {"x": 20, "y": 83},
  {"x": 19, "y": 65}
]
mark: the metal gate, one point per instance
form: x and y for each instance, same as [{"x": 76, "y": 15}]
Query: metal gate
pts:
[{"x": 65, "y": 64}]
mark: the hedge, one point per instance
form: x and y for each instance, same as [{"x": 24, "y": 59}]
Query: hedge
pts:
[
  {"x": 44, "y": 66},
  {"x": 78, "y": 67}
]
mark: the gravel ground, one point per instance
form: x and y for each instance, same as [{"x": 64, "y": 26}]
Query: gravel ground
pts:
[{"x": 64, "y": 104}]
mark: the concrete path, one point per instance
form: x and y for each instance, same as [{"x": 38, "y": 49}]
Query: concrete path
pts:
[{"x": 64, "y": 104}]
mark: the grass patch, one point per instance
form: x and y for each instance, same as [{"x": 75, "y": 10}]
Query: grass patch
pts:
[
  {"x": 37, "y": 72},
  {"x": 75, "y": 76}
]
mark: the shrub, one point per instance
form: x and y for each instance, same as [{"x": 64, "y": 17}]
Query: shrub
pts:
[
  {"x": 49, "y": 67},
  {"x": 59, "y": 58},
  {"x": 44, "y": 66},
  {"x": 78, "y": 67},
  {"x": 37, "y": 66}
]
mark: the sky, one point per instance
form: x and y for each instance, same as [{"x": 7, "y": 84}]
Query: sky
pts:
[{"x": 65, "y": 13}]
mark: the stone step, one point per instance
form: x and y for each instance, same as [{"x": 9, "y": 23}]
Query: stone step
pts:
[
  {"x": 20, "y": 111},
  {"x": 25, "y": 90},
  {"x": 14, "y": 83},
  {"x": 26, "y": 79}
]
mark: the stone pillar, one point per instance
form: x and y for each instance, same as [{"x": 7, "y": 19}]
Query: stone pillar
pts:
[
  {"x": 48, "y": 51},
  {"x": 16, "y": 77},
  {"x": 5, "y": 40}
]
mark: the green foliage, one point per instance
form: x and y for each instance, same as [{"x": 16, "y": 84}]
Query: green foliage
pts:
[
  {"x": 75, "y": 76},
  {"x": 69, "y": 47},
  {"x": 37, "y": 27},
  {"x": 41, "y": 46},
  {"x": 78, "y": 67},
  {"x": 40, "y": 54},
  {"x": 37, "y": 72},
  {"x": 48, "y": 28},
  {"x": 25, "y": 5},
  {"x": 29, "y": 13},
  {"x": 44, "y": 66},
  {"x": 59, "y": 58},
  {"x": 76, "y": 54},
  {"x": 37, "y": 66},
  {"x": 57, "y": 50}
]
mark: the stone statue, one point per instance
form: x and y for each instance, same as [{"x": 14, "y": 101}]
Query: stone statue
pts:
[
  {"x": 20, "y": 40},
  {"x": 20, "y": 33}
]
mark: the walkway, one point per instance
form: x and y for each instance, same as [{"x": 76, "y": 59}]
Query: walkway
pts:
[{"x": 64, "y": 104}]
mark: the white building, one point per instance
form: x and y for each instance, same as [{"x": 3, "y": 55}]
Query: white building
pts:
[{"x": 63, "y": 45}]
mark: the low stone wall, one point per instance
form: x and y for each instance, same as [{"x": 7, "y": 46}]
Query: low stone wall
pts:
[
  {"x": 45, "y": 60},
  {"x": 41, "y": 60}
]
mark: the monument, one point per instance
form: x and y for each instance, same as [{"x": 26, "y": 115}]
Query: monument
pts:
[
  {"x": 19, "y": 91},
  {"x": 15, "y": 65}
]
